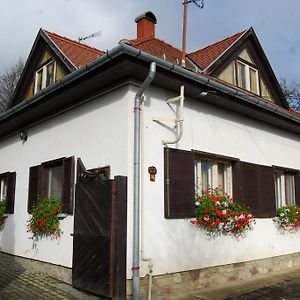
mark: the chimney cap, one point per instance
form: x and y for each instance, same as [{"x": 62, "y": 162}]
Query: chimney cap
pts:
[{"x": 148, "y": 15}]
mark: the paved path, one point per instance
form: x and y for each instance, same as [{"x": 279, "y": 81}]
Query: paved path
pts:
[{"x": 21, "y": 284}]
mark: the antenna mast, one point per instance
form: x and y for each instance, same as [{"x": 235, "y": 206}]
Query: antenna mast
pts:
[
  {"x": 200, "y": 4},
  {"x": 95, "y": 34}
]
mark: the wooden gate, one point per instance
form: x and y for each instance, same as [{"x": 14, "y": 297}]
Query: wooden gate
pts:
[{"x": 99, "y": 245}]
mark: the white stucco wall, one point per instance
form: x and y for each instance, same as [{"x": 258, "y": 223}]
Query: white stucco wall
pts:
[
  {"x": 97, "y": 132},
  {"x": 176, "y": 245},
  {"x": 101, "y": 133}
]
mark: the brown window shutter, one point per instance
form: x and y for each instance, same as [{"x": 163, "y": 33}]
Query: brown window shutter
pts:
[
  {"x": 254, "y": 186},
  {"x": 179, "y": 184},
  {"x": 68, "y": 164},
  {"x": 33, "y": 188},
  {"x": 10, "y": 197},
  {"x": 297, "y": 188}
]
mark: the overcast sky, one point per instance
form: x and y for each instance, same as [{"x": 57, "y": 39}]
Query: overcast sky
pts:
[{"x": 276, "y": 23}]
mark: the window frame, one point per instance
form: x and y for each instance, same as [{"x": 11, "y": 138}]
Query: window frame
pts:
[
  {"x": 247, "y": 75},
  {"x": 10, "y": 178},
  {"x": 213, "y": 174},
  {"x": 38, "y": 183},
  {"x": 281, "y": 187},
  {"x": 43, "y": 70}
]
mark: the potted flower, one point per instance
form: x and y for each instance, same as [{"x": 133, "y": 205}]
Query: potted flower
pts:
[
  {"x": 44, "y": 221},
  {"x": 217, "y": 213},
  {"x": 2, "y": 214},
  {"x": 288, "y": 218}
]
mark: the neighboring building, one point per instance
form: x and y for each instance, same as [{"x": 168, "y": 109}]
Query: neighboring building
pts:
[{"x": 73, "y": 110}]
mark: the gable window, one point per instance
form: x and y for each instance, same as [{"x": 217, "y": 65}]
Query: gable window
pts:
[
  {"x": 45, "y": 76},
  {"x": 284, "y": 188},
  {"x": 7, "y": 190},
  {"x": 247, "y": 77},
  {"x": 54, "y": 179},
  {"x": 212, "y": 173}
]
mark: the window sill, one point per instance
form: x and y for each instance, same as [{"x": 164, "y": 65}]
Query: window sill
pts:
[{"x": 5, "y": 215}]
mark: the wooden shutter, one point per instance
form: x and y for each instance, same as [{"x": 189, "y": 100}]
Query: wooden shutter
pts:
[
  {"x": 179, "y": 184},
  {"x": 68, "y": 185},
  {"x": 10, "y": 196},
  {"x": 254, "y": 186},
  {"x": 297, "y": 188},
  {"x": 33, "y": 187}
]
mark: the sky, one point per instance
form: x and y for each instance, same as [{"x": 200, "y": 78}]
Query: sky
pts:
[{"x": 276, "y": 23}]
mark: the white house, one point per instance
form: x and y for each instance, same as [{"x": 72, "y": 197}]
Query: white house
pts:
[{"x": 73, "y": 121}]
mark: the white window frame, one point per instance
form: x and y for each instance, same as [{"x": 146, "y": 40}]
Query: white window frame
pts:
[
  {"x": 247, "y": 77},
  {"x": 280, "y": 189},
  {"x": 43, "y": 70},
  {"x": 213, "y": 175}
]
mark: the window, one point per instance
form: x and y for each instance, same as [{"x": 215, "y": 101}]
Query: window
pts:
[
  {"x": 3, "y": 188},
  {"x": 45, "y": 76},
  {"x": 7, "y": 190},
  {"x": 55, "y": 179},
  {"x": 187, "y": 172},
  {"x": 247, "y": 77},
  {"x": 284, "y": 188},
  {"x": 212, "y": 173}
]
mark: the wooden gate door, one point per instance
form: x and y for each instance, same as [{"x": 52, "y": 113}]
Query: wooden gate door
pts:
[{"x": 99, "y": 245}]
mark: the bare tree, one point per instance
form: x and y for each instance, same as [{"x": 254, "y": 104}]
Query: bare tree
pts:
[
  {"x": 291, "y": 90},
  {"x": 8, "y": 83}
]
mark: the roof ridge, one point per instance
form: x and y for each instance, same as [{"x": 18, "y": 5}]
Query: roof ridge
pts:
[
  {"x": 94, "y": 49},
  {"x": 219, "y": 42}
]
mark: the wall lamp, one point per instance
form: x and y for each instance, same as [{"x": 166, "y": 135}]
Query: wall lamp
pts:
[
  {"x": 205, "y": 93},
  {"x": 23, "y": 135}
]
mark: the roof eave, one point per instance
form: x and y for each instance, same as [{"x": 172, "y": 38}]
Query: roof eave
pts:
[{"x": 238, "y": 100}]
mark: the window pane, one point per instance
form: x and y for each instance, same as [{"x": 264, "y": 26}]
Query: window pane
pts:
[
  {"x": 49, "y": 73},
  {"x": 39, "y": 81},
  {"x": 289, "y": 189},
  {"x": 241, "y": 68},
  {"x": 253, "y": 81},
  {"x": 55, "y": 182},
  {"x": 3, "y": 189},
  {"x": 205, "y": 165},
  {"x": 221, "y": 169},
  {"x": 278, "y": 189}
]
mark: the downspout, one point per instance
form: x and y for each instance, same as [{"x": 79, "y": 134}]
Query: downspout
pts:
[
  {"x": 136, "y": 183},
  {"x": 143, "y": 257}
]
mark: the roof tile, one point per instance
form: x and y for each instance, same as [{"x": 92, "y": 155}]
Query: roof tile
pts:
[
  {"x": 205, "y": 56},
  {"x": 79, "y": 54}
]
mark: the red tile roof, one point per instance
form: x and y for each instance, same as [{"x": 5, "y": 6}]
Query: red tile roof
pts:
[
  {"x": 79, "y": 54},
  {"x": 161, "y": 49},
  {"x": 205, "y": 56}
]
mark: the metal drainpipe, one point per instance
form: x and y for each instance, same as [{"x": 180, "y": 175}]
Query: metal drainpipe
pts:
[{"x": 136, "y": 183}]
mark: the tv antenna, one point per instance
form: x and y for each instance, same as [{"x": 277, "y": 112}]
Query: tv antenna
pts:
[
  {"x": 199, "y": 4},
  {"x": 95, "y": 34}
]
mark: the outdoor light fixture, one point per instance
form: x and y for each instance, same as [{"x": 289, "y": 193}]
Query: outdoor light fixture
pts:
[
  {"x": 23, "y": 135},
  {"x": 205, "y": 93}
]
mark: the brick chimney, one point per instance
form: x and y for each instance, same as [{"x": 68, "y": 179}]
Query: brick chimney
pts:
[{"x": 146, "y": 25}]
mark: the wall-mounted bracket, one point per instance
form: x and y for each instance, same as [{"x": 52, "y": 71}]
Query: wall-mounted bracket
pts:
[{"x": 178, "y": 121}]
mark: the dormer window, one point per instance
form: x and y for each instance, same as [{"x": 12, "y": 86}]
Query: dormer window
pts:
[
  {"x": 247, "y": 77},
  {"x": 45, "y": 76}
]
